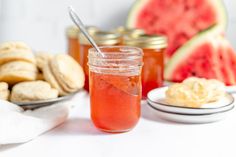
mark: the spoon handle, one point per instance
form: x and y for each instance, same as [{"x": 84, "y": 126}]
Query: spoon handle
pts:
[{"x": 75, "y": 18}]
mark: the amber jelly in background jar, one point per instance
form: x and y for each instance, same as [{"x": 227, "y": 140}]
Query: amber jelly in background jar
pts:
[
  {"x": 72, "y": 33},
  {"x": 115, "y": 87},
  {"x": 153, "y": 47},
  {"x": 101, "y": 38}
]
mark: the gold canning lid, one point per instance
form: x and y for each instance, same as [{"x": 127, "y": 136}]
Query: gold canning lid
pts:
[
  {"x": 102, "y": 38},
  {"x": 129, "y": 31},
  {"x": 92, "y": 29},
  {"x": 73, "y": 31},
  {"x": 146, "y": 41}
]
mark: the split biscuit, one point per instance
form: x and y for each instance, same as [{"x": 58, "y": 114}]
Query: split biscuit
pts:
[
  {"x": 4, "y": 91},
  {"x": 15, "y": 51},
  {"x": 48, "y": 76},
  {"x": 64, "y": 74},
  {"x": 18, "y": 71},
  {"x": 32, "y": 91},
  {"x": 42, "y": 58},
  {"x": 68, "y": 73}
]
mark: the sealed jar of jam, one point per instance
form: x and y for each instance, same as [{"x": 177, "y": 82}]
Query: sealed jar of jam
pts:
[
  {"x": 101, "y": 38},
  {"x": 153, "y": 48},
  {"x": 115, "y": 87},
  {"x": 72, "y": 33},
  {"x": 125, "y": 31}
]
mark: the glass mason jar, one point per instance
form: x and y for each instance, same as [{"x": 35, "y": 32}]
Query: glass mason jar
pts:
[
  {"x": 72, "y": 33},
  {"x": 153, "y": 47},
  {"x": 73, "y": 42},
  {"x": 102, "y": 38},
  {"x": 115, "y": 87}
]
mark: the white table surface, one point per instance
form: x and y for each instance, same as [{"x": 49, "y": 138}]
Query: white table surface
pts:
[{"x": 151, "y": 137}]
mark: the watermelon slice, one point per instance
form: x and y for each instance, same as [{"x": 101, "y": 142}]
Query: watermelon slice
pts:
[
  {"x": 179, "y": 20},
  {"x": 206, "y": 55}
]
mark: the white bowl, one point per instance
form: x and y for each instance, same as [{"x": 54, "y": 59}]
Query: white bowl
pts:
[{"x": 156, "y": 99}]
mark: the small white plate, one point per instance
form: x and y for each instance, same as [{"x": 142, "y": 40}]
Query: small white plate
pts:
[
  {"x": 191, "y": 119},
  {"x": 156, "y": 98},
  {"x": 231, "y": 89}
]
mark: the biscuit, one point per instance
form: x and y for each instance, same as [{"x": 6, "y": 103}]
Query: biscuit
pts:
[
  {"x": 17, "y": 71},
  {"x": 3, "y": 86},
  {"x": 67, "y": 72},
  {"x": 32, "y": 91},
  {"x": 4, "y": 95},
  {"x": 14, "y": 51},
  {"x": 42, "y": 59},
  {"x": 48, "y": 76},
  {"x": 4, "y": 92}
]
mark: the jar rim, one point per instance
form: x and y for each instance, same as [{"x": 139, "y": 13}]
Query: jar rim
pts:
[
  {"x": 132, "y": 50},
  {"x": 123, "y": 53},
  {"x": 116, "y": 57}
]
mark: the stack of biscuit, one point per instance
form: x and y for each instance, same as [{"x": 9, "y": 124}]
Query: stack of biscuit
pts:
[
  {"x": 33, "y": 77},
  {"x": 17, "y": 63}
]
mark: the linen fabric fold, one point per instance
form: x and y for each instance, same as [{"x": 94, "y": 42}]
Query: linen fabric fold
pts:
[{"x": 19, "y": 126}]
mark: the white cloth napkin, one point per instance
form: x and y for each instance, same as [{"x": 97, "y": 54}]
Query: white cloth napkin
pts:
[{"x": 18, "y": 126}]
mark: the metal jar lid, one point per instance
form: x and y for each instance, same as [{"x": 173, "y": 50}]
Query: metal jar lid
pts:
[
  {"x": 92, "y": 29},
  {"x": 146, "y": 41},
  {"x": 102, "y": 38},
  {"x": 129, "y": 31},
  {"x": 72, "y": 32}
]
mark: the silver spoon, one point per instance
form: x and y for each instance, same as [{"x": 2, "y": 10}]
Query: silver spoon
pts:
[{"x": 75, "y": 18}]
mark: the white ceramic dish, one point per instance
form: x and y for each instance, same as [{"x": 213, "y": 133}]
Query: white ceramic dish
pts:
[
  {"x": 191, "y": 119},
  {"x": 231, "y": 89},
  {"x": 156, "y": 98}
]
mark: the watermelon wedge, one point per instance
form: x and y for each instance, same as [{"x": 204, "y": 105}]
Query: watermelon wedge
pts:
[
  {"x": 207, "y": 55},
  {"x": 179, "y": 20}
]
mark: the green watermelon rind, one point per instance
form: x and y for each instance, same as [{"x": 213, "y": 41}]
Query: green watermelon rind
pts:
[
  {"x": 186, "y": 50},
  {"x": 222, "y": 24},
  {"x": 139, "y": 4}
]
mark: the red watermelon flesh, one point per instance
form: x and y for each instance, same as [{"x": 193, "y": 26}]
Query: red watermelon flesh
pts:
[
  {"x": 212, "y": 59},
  {"x": 201, "y": 63},
  {"x": 179, "y": 20},
  {"x": 231, "y": 62},
  {"x": 227, "y": 60}
]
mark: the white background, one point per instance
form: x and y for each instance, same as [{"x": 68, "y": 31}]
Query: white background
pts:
[{"x": 42, "y": 23}]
